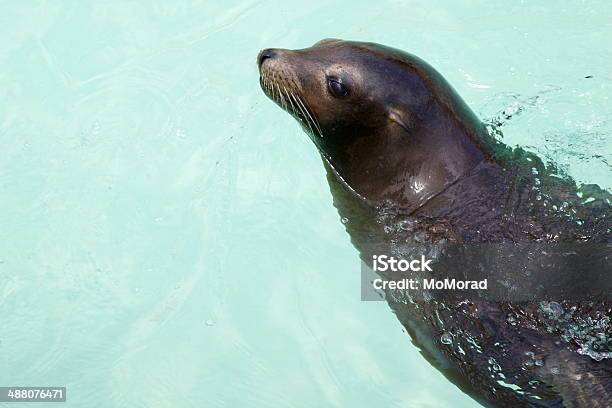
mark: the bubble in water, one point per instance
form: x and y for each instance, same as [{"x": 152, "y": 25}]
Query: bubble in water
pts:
[
  {"x": 446, "y": 338},
  {"x": 209, "y": 322},
  {"x": 595, "y": 355},
  {"x": 494, "y": 364},
  {"x": 344, "y": 220},
  {"x": 405, "y": 225},
  {"x": 552, "y": 310},
  {"x": 180, "y": 133}
]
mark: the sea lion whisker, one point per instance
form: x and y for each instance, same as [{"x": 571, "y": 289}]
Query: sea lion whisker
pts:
[
  {"x": 272, "y": 87},
  {"x": 304, "y": 114},
  {"x": 310, "y": 113},
  {"x": 282, "y": 97},
  {"x": 306, "y": 111},
  {"x": 310, "y": 116},
  {"x": 265, "y": 84},
  {"x": 313, "y": 117},
  {"x": 296, "y": 107},
  {"x": 299, "y": 108},
  {"x": 289, "y": 99},
  {"x": 287, "y": 94},
  {"x": 275, "y": 82}
]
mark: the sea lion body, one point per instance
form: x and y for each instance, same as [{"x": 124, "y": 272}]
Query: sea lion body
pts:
[{"x": 407, "y": 162}]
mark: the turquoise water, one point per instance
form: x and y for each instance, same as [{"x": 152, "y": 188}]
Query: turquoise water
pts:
[{"x": 168, "y": 237}]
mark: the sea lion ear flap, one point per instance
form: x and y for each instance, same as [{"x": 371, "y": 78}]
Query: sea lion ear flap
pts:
[{"x": 400, "y": 118}]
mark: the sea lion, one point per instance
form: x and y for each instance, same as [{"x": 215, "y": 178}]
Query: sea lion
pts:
[{"x": 408, "y": 161}]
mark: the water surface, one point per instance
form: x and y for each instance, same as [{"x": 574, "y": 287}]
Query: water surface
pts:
[{"x": 168, "y": 237}]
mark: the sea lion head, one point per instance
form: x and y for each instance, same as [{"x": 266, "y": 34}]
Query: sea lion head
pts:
[{"x": 387, "y": 123}]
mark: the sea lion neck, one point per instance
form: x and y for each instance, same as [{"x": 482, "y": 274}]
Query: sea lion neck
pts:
[{"x": 408, "y": 169}]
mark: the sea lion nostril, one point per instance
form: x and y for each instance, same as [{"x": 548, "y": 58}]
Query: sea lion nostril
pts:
[{"x": 264, "y": 55}]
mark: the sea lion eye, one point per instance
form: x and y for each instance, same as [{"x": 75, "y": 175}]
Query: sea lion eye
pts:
[{"x": 337, "y": 88}]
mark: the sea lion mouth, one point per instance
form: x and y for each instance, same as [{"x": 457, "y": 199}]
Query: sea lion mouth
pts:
[{"x": 281, "y": 85}]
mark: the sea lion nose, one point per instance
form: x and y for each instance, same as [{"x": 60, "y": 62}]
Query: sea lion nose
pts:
[{"x": 265, "y": 54}]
